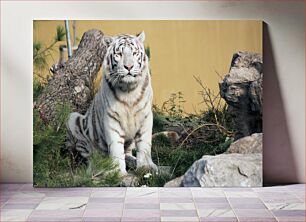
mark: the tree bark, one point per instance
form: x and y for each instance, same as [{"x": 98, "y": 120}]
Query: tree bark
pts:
[{"x": 72, "y": 82}]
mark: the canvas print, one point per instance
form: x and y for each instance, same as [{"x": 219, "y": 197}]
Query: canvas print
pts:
[{"x": 147, "y": 103}]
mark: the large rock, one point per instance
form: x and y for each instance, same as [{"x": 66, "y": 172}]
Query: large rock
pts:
[
  {"x": 225, "y": 170},
  {"x": 242, "y": 90},
  {"x": 248, "y": 144}
]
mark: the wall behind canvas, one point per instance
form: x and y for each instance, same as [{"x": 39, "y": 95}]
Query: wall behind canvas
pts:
[{"x": 284, "y": 59}]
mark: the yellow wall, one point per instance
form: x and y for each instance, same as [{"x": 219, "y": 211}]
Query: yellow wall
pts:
[{"x": 179, "y": 50}]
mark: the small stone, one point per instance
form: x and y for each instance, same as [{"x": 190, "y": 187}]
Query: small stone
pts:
[
  {"x": 177, "y": 182},
  {"x": 171, "y": 135},
  {"x": 248, "y": 144},
  {"x": 130, "y": 180}
]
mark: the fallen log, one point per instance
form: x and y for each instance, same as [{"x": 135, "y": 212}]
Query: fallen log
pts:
[{"x": 72, "y": 81}]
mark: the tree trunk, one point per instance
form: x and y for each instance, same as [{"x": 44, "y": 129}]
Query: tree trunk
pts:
[{"x": 72, "y": 82}]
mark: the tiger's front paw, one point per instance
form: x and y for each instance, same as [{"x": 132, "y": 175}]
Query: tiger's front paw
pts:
[
  {"x": 123, "y": 172},
  {"x": 154, "y": 167},
  {"x": 122, "y": 168},
  {"x": 147, "y": 164}
]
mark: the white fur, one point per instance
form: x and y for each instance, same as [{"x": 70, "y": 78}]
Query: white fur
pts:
[{"x": 130, "y": 102}]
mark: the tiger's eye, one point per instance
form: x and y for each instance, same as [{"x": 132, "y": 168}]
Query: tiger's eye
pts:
[{"x": 117, "y": 56}]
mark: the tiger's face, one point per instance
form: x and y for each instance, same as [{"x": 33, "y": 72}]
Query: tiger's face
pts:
[{"x": 125, "y": 60}]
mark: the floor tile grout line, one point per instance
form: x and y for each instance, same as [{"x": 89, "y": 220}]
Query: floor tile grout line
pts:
[
  {"x": 294, "y": 194},
  {"x": 5, "y": 202},
  {"x": 26, "y": 219},
  {"x": 230, "y": 205},
  {"x": 91, "y": 191},
  {"x": 10, "y": 196},
  {"x": 123, "y": 207},
  {"x": 266, "y": 206},
  {"x": 261, "y": 200},
  {"x": 36, "y": 206},
  {"x": 196, "y": 207}
]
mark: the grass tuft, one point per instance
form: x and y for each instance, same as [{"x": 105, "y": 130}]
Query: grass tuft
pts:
[{"x": 53, "y": 165}]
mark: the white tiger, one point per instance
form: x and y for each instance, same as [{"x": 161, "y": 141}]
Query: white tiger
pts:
[{"x": 120, "y": 116}]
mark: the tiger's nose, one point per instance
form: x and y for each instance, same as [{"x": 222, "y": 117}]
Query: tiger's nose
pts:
[{"x": 128, "y": 67}]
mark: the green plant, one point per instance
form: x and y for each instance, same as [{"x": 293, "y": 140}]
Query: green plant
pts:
[
  {"x": 53, "y": 165},
  {"x": 206, "y": 133},
  {"x": 174, "y": 105},
  {"x": 37, "y": 88},
  {"x": 148, "y": 52},
  {"x": 166, "y": 154},
  {"x": 42, "y": 53},
  {"x": 39, "y": 50},
  {"x": 159, "y": 120},
  {"x": 100, "y": 171},
  {"x": 180, "y": 158},
  {"x": 48, "y": 142},
  {"x": 148, "y": 178}
]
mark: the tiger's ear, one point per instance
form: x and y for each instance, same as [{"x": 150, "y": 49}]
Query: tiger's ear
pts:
[
  {"x": 108, "y": 40},
  {"x": 141, "y": 36}
]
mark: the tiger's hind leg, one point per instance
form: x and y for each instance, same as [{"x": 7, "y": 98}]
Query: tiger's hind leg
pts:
[{"x": 77, "y": 140}]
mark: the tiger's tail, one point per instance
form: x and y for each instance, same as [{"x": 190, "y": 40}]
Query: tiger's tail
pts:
[{"x": 77, "y": 140}]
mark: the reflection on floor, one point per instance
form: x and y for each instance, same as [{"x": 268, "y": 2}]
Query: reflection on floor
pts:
[{"x": 22, "y": 202}]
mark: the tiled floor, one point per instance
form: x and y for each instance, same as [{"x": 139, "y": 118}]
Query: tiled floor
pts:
[{"x": 21, "y": 202}]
